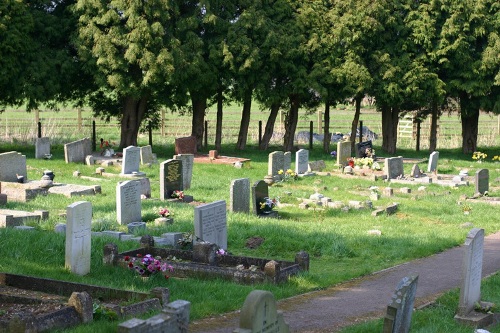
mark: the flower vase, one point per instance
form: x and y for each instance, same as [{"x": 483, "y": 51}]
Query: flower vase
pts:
[{"x": 164, "y": 220}]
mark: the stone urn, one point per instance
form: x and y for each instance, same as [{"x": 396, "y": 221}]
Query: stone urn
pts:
[
  {"x": 50, "y": 174},
  {"x": 269, "y": 180}
]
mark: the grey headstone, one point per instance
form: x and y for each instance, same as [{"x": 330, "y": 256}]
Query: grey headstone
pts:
[
  {"x": 470, "y": 291},
  {"x": 131, "y": 160},
  {"x": 393, "y": 167},
  {"x": 210, "y": 223},
  {"x": 76, "y": 151},
  {"x": 260, "y": 190},
  {"x": 147, "y": 155},
  {"x": 433, "y": 162},
  {"x": 287, "y": 161},
  {"x": 276, "y": 163},
  {"x": 343, "y": 152},
  {"x": 482, "y": 181},
  {"x": 187, "y": 169},
  {"x": 78, "y": 232},
  {"x": 145, "y": 187},
  {"x": 415, "y": 171},
  {"x": 128, "y": 202},
  {"x": 301, "y": 161},
  {"x": 134, "y": 227},
  {"x": 260, "y": 314},
  {"x": 239, "y": 200},
  {"x": 42, "y": 147},
  {"x": 170, "y": 178},
  {"x": 316, "y": 166},
  {"x": 12, "y": 164},
  {"x": 399, "y": 311}
]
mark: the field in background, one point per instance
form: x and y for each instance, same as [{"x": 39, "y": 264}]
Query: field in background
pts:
[{"x": 18, "y": 126}]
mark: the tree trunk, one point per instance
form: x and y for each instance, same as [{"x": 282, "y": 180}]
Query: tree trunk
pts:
[
  {"x": 390, "y": 118},
  {"x": 198, "y": 121},
  {"x": 433, "y": 130},
  {"x": 245, "y": 121},
  {"x": 218, "y": 126},
  {"x": 268, "y": 132},
  {"x": 469, "y": 114},
  {"x": 133, "y": 113},
  {"x": 291, "y": 123},
  {"x": 326, "y": 129},
  {"x": 355, "y": 121}
]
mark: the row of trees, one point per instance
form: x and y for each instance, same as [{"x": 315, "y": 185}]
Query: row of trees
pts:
[{"x": 129, "y": 58}]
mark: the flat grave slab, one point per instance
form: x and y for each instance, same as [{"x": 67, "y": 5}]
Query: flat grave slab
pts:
[
  {"x": 205, "y": 159},
  {"x": 12, "y": 218},
  {"x": 72, "y": 190}
]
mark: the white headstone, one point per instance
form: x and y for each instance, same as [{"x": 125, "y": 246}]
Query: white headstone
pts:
[
  {"x": 131, "y": 160},
  {"x": 301, "y": 161},
  {"x": 78, "y": 232},
  {"x": 128, "y": 202},
  {"x": 433, "y": 162},
  {"x": 210, "y": 223}
]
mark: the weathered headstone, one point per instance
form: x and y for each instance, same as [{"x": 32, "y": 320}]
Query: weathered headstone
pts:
[
  {"x": 185, "y": 145},
  {"x": 128, "y": 202},
  {"x": 210, "y": 223},
  {"x": 170, "y": 178},
  {"x": 260, "y": 190},
  {"x": 482, "y": 181},
  {"x": 78, "y": 232},
  {"x": 239, "y": 201},
  {"x": 415, "y": 171},
  {"x": 316, "y": 166},
  {"x": 145, "y": 187},
  {"x": 393, "y": 167},
  {"x": 131, "y": 160},
  {"x": 42, "y": 147},
  {"x": 147, "y": 156},
  {"x": 343, "y": 152},
  {"x": 399, "y": 311},
  {"x": 76, "y": 151},
  {"x": 187, "y": 169},
  {"x": 362, "y": 147},
  {"x": 301, "y": 161},
  {"x": 287, "y": 161},
  {"x": 433, "y": 162},
  {"x": 276, "y": 163},
  {"x": 259, "y": 314},
  {"x": 12, "y": 165}
]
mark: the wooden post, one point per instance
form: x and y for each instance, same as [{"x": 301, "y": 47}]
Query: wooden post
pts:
[
  {"x": 311, "y": 135},
  {"x": 418, "y": 135},
  {"x": 360, "y": 131},
  {"x": 150, "y": 131},
  {"x": 39, "y": 129},
  {"x": 94, "y": 136},
  {"x": 320, "y": 121},
  {"x": 37, "y": 116},
  {"x": 206, "y": 134},
  {"x": 260, "y": 132},
  {"x": 162, "y": 130},
  {"x": 79, "y": 110}
]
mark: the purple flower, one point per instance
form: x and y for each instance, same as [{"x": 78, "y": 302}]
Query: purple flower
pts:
[{"x": 333, "y": 153}]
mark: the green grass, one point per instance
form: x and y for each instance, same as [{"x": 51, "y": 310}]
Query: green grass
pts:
[{"x": 426, "y": 223}]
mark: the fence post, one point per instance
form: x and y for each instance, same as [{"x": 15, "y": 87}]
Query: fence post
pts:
[
  {"x": 418, "y": 135},
  {"x": 206, "y": 134},
  {"x": 39, "y": 129},
  {"x": 150, "y": 134},
  {"x": 311, "y": 135},
  {"x": 79, "y": 111},
  {"x": 162, "y": 122},
  {"x": 94, "y": 136},
  {"x": 360, "y": 131},
  {"x": 320, "y": 121},
  {"x": 260, "y": 132}
]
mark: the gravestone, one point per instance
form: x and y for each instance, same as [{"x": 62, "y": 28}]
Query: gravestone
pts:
[
  {"x": 433, "y": 162},
  {"x": 415, "y": 171},
  {"x": 239, "y": 201},
  {"x": 42, "y": 147},
  {"x": 343, "y": 152},
  {"x": 170, "y": 178},
  {"x": 76, "y": 151},
  {"x": 131, "y": 160},
  {"x": 128, "y": 202},
  {"x": 187, "y": 169},
  {"x": 12, "y": 164},
  {"x": 185, "y": 145},
  {"x": 361, "y": 148},
  {"x": 147, "y": 156},
  {"x": 259, "y": 314},
  {"x": 145, "y": 187},
  {"x": 78, "y": 232},
  {"x": 287, "y": 161},
  {"x": 316, "y": 166},
  {"x": 399, "y": 311},
  {"x": 210, "y": 223},
  {"x": 482, "y": 181},
  {"x": 276, "y": 163},
  {"x": 393, "y": 167},
  {"x": 301, "y": 161},
  {"x": 260, "y": 190}
]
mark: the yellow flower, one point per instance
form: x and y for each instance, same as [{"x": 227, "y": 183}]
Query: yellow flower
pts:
[{"x": 280, "y": 172}]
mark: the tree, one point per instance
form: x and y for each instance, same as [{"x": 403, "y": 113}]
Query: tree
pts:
[{"x": 126, "y": 46}]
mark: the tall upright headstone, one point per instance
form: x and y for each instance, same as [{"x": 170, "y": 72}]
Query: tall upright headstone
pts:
[
  {"x": 12, "y": 164},
  {"x": 170, "y": 178},
  {"x": 42, "y": 147},
  {"x": 301, "y": 161},
  {"x": 482, "y": 181},
  {"x": 128, "y": 202},
  {"x": 147, "y": 156},
  {"x": 343, "y": 152},
  {"x": 260, "y": 314},
  {"x": 210, "y": 223},
  {"x": 287, "y": 161},
  {"x": 187, "y": 169},
  {"x": 239, "y": 201},
  {"x": 393, "y": 167},
  {"x": 78, "y": 232},
  {"x": 260, "y": 190},
  {"x": 276, "y": 163},
  {"x": 131, "y": 160},
  {"x": 433, "y": 162},
  {"x": 399, "y": 311}
]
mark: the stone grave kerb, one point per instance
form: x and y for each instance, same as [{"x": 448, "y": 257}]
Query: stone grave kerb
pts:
[{"x": 399, "y": 311}]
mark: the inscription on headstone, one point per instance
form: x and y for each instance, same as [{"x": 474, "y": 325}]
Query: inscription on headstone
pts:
[
  {"x": 240, "y": 196},
  {"x": 343, "y": 152},
  {"x": 210, "y": 223},
  {"x": 301, "y": 161},
  {"x": 128, "y": 202},
  {"x": 482, "y": 181},
  {"x": 399, "y": 311},
  {"x": 433, "y": 162},
  {"x": 187, "y": 169},
  {"x": 170, "y": 178},
  {"x": 131, "y": 160},
  {"x": 78, "y": 231}
]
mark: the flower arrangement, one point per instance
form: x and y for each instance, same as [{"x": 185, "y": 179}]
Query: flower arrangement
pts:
[
  {"x": 164, "y": 212},
  {"x": 288, "y": 175},
  {"x": 496, "y": 158},
  {"x": 350, "y": 162},
  {"x": 178, "y": 194},
  {"x": 221, "y": 252},
  {"x": 267, "y": 204},
  {"x": 148, "y": 265},
  {"x": 478, "y": 156}
]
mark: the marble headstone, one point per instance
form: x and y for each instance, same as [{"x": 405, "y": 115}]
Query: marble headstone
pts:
[
  {"x": 128, "y": 202},
  {"x": 131, "y": 160},
  {"x": 78, "y": 232},
  {"x": 210, "y": 223},
  {"x": 433, "y": 162},
  {"x": 301, "y": 161},
  {"x": 170, "y": 178}
]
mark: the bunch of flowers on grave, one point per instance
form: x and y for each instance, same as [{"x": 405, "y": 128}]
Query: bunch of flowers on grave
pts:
[
  {"x": 267, "y": 204},
  {"x": 370, "y": 152},
  {"x": 164, "y": 212},
  {"x": 178, "y": 194},
  {"x": 221, "y": 252},
  {"x": 478, "y": 156},
  {"x": 186, "y": 242},
  {"x": 106, "y": 147},
  {"x": 496, "y": 158},
  {"x": 148, "y": 265},
  {"x": 288, "y": 175},
  {"x": 350, "y": 162},
  {"x": 363, "y": 162}
]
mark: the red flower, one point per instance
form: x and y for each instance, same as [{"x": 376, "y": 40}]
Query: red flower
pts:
[
  {"x": 127, "y": 258},
  {"x": 167, "y": 277},
  {"x": 138, "y": 255},
  {"x": 130, "y": 264}
]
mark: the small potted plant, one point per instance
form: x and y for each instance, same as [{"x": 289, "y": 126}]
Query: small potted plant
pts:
[
  {"x": 179, "y": 195},
  {"x": 267, "y": 205},
  {"x": 466, "y": 209},
  {"x": 165, "y": 217}
]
